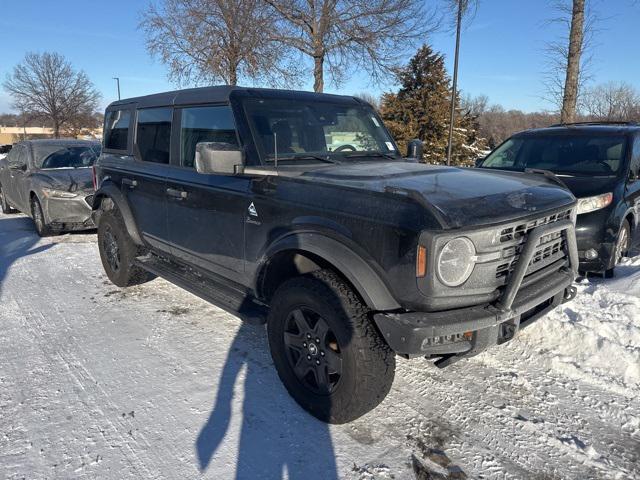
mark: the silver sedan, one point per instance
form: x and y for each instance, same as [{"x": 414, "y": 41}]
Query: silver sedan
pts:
[{"x": 51, "y": 181}]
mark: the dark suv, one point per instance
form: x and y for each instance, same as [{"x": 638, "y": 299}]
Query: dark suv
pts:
[
  {"x": 599, "y": 163},
  {"x": 296, "y": 209}
]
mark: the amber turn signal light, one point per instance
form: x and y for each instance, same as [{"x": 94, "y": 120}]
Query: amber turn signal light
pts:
[{"x": 421, "y": 262}]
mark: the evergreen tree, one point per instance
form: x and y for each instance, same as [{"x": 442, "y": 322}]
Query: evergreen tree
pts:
[{"x": 420, "y": 109}]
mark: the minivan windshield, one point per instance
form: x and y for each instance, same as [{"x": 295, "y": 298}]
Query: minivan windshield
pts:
[
  {"x": 61, "y": 156},
  {"x": 576, "y": 155},
  {"x": 294, "y": 131}
]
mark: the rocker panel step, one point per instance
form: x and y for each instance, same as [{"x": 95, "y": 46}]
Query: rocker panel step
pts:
[{"x": 232, "y": 300}]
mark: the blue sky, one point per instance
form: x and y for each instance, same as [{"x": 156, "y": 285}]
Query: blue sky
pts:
[{"x": 501, "y": 54}]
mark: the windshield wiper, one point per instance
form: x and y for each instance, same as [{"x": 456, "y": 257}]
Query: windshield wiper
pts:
[
  {"x": 302, "y": 157},
  {"x": 370, "y": 154}
]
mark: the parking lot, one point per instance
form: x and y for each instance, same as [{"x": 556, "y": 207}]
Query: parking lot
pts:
[{"x": 151, "y": 382}]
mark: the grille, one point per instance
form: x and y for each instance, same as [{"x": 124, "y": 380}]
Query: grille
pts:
[
  {"x": 89, "y": 200},
  {"x": 550, "y": 248}
]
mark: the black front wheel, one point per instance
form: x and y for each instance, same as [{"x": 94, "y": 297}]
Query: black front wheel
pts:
[
  {"x": 327, "y": 351},
  {"x": 39, "y": 220}
]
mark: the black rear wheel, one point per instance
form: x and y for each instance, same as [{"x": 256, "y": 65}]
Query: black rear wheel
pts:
[
  {"x": 4, "y": 204},
  {"x": 118, "y": 252},
  {"x": 327, "y": 351}
]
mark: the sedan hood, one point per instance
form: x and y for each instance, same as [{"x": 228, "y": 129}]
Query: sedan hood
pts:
[
  {"x": 67, "y": 179},
  {"x": 457, "y": 197}
]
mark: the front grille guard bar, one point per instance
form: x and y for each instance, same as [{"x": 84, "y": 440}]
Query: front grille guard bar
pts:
[{"x": 529, "y": 250}]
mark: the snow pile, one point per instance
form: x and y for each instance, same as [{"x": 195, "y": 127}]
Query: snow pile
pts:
[
  {"x": 2, "y": 155},
  {"x": 595, "y": 337}
]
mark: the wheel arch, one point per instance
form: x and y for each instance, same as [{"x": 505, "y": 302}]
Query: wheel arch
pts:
[
  {"x": 300, "y": 253},
  {"x": 107, "y": 197}
]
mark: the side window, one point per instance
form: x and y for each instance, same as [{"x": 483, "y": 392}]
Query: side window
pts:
[
  {"x": 205, "y": 124},
  {"x": 153, "y": 134},
  {"x": 116, "y": 131},
  {"x": 635, "y": 159}
]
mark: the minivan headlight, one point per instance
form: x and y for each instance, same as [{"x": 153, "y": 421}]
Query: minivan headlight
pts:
[
  {"x": 456, "y": 261},
  {"x": 591, "y": 204}
]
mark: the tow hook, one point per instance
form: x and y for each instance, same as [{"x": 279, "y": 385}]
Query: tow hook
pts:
[{"x": 569, "y": 294}]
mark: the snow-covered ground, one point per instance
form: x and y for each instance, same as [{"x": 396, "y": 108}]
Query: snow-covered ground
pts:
[{"x": 151, "y": 382}]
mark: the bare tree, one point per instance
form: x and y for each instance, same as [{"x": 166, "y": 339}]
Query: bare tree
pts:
[
  {"x": 210, "y": 41},
  {"x": 46, "y": 85},
  {"x": 611, "y": 101},
  {"x": 369, "y": 98},
  {"x": 345, "y": 35},
  {"x": 569, "y": 58}
]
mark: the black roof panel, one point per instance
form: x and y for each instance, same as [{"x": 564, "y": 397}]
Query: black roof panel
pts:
[{"x": 221, "y": 94}]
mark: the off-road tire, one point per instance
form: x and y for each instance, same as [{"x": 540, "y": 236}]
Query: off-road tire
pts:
[
  {"x": 39, "y": 220},
  {"x": 368, "y": 364},
  {"x": 624, "y": 233},
  {"x": 124, "y": 273},
  {"x": 4, "y": 204}
]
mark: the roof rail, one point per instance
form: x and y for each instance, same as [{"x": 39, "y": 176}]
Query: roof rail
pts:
[{"x": 597, "y": 122}]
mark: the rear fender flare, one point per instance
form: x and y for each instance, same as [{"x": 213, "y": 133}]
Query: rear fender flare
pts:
[{"x": 111, "y": 191}]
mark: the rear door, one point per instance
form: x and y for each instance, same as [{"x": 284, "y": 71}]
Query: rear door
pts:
[
  {"x": 206, "y": 212},
  {"x": 18, "y": 165},
  {"x": 141, "y": 176}
]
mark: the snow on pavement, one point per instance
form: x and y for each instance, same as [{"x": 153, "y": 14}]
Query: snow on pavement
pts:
[{"x": 151, "y": 382}]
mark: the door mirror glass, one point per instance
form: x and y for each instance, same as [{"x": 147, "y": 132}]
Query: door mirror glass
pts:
[{"x": 219, "y": 158}]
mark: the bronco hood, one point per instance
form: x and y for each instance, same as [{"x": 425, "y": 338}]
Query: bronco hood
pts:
[{"x": 457, "y": 197}]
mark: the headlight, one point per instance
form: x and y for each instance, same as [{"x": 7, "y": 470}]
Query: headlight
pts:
[
  {"x": 591, "y": 204},
  {"x": 456, "y": 261},
  {"x": 50, "y": 192}
]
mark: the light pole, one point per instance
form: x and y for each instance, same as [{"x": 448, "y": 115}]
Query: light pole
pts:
[
  {"x": 117, "y": 79},
  {"x": 455, "y": 82}
]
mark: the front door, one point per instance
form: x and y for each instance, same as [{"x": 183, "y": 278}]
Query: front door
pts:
[
  {"x": 633, "y": 183},
  {"x": 206, "y": 212}
]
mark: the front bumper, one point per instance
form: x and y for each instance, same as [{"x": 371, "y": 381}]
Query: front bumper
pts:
[
  {"x": 465, "y": 332},
  {"x": 67, "y": 214}
]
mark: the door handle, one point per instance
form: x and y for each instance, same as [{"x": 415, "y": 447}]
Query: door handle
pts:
[
  {"x": 179, "y": 194},
  {"x": 131, "y": 183}
]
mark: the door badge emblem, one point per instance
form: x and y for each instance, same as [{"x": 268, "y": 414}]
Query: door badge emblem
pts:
[{"x": 252, "y": 210}]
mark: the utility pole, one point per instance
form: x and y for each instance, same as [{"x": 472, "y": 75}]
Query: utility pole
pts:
[
  {"x": 455, "y": 82},
  {"x": 117, "y": 79}
]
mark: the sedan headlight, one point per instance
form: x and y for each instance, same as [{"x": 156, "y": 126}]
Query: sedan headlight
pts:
[
  {"x": 53, "y": 193},
  {"x": 591, "y": 204},
  {"x": 456, "y": 261}
]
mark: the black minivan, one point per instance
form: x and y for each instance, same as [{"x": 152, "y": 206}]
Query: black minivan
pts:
[{"x": 599, "y": 163}]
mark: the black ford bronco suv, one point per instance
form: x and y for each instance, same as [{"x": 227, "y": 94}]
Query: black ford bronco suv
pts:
[{"x": 296, "y": 209}]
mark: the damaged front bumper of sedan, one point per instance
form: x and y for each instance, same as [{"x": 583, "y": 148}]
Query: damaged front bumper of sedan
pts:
[{"x": 69, "y": 213}]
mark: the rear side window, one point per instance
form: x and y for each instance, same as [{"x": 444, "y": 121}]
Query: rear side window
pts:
[
  {"x": 153, "y": 134},
  {"x": 205, "y": 124},
  {"x": 116, "y": 134}
]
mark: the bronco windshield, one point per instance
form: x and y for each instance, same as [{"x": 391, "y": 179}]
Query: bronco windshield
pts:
[
  {"x": 297, "y": 131},
  {"x": 575, "y": 155},
  {"x": 69, "y": 156}
]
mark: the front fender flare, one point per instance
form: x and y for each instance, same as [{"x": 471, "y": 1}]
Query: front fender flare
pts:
[
  {"x": 111, "y": 191},
  {"x": 356, "y": 269}
]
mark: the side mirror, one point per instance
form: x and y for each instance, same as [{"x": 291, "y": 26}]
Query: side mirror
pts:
[
  {"x": 18, "y": 166},
  {"x": 479, "y": 161},
  {"x": 415, "y": 149},
  {"x": 218, "y": 157}
]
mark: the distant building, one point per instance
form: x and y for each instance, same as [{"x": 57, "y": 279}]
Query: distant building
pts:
[{"x": 10, "y": 135}]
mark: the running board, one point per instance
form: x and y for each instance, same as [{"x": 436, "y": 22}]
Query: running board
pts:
[{"x": 227, "y": 298}]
